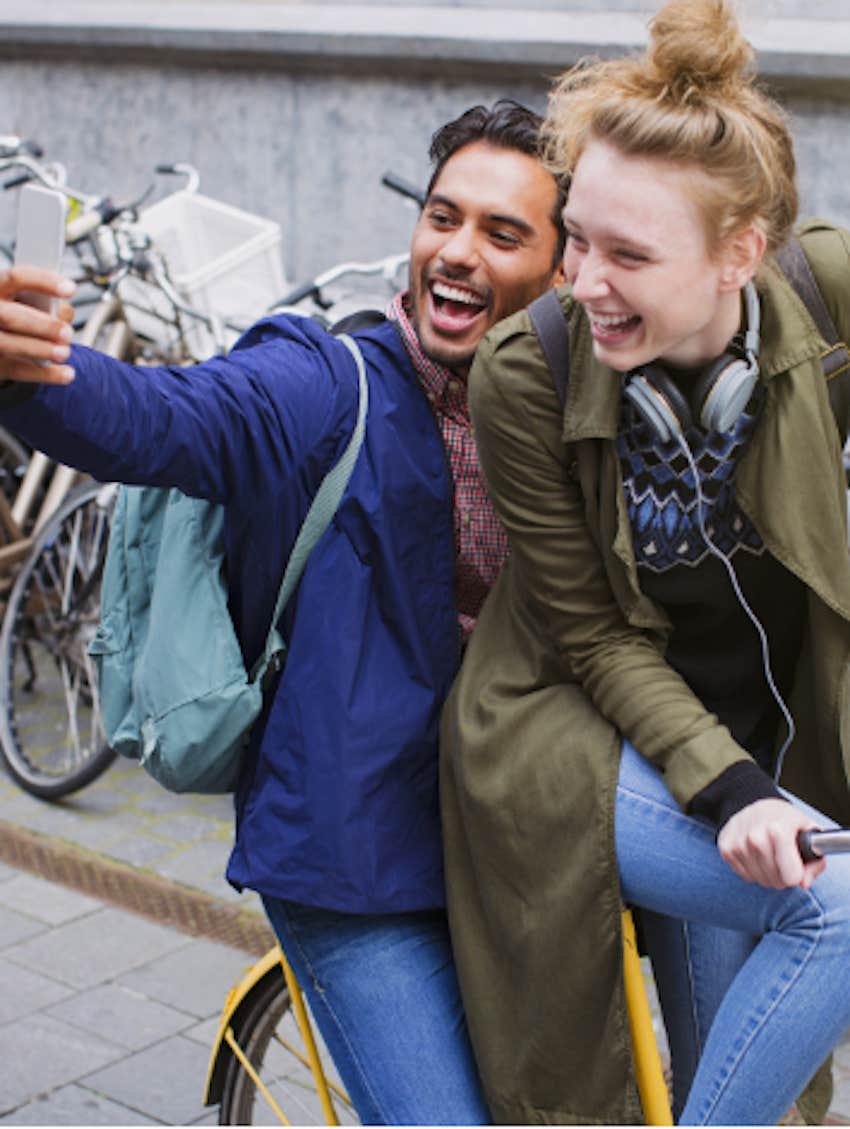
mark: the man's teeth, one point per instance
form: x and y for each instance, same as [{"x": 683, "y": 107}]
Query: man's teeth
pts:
[{"x": 453, "y": 294}]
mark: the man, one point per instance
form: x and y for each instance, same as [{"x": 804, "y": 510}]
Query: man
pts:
[{"x": 337, "y": 821}]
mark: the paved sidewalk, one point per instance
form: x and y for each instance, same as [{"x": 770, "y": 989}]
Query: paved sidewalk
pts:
[
  {"x": 106, "y": 1017},
  {"x": 127, "y": 817}
]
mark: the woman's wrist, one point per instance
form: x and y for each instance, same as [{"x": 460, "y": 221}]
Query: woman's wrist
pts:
[{"x": 741, "y": 784}]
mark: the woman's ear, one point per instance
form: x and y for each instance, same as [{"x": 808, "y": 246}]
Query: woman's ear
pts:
[{"x": 741, "y": 256}]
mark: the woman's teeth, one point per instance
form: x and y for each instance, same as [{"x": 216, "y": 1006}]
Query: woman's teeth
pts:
[{"x": 612, "y": 321}]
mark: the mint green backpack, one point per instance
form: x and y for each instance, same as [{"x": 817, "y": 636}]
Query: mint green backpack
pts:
[{"x": 174, "y": 691}]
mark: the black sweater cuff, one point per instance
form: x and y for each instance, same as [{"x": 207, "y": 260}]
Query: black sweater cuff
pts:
[{"x": 742, "y": 783}]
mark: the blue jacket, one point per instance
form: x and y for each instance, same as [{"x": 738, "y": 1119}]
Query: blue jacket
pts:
[{"x": 337, "y": 805}]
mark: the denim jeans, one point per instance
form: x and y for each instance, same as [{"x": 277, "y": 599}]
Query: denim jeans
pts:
[
  {"x": 781, "y": 999},
  {"x": 693, "y": 965},
  {"x": 384, "y": 994}
]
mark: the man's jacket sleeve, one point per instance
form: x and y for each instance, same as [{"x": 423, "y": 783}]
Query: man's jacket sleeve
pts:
[{"x": 281, "y": 400}]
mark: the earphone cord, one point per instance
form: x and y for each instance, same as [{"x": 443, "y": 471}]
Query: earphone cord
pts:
[{"x": 765, "y": 647}]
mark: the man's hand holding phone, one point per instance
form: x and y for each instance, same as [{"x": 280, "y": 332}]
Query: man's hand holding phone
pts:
[{"x": 35, "y": 331}]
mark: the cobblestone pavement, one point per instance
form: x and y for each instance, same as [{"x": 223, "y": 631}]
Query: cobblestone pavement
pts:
[{"x": 107, "y": 1017}]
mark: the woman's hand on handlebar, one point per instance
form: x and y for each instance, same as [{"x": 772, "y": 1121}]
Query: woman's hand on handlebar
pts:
[
  {"x": 34, "y": 345},
  {"x": 760, "y": 844}
]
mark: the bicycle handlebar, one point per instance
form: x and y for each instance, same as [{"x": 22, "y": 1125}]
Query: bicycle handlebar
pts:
[
  {"x": 51, "y": 175},
  {"x": 96, "y": 210},
  {"x": 103, "y": 212},
  {"x": 181, "y": 168},
  {"x": 404, "y": 188},
  {"x": 384, "y": 268},
  {"x": 815, "y": 844},
  {"x": 11, "y": 145}
]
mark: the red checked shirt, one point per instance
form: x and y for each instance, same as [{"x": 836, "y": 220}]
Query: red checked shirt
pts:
[{"x": 480, "y": 540}]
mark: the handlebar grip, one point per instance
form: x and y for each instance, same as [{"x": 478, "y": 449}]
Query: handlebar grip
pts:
[
  {"x": 816, "y": 844},
  {"x": 403, "y": 187},
  {"x": 804, "y": 846},
  {"x": 17, "y": 181}
]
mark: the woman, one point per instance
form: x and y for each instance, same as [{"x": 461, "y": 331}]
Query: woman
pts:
[{"x": 615, "y": 731}]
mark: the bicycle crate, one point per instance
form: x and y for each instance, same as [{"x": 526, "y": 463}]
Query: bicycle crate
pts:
[{"x": 222, "y": 261}]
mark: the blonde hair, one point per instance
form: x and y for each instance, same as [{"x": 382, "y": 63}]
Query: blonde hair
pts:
[{"x": 690, "y": 98}]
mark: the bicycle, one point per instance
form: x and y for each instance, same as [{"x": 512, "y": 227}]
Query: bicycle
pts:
[
  {"x": 253, "y": 1056},
  {"x": 256, "y": 1065},
  {"x": 54, "y": 532}
]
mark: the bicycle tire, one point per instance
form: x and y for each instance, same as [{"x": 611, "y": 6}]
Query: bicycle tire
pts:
[
  {"x": 51, "y": 737},
  {"x": 259, "y": 1027}
]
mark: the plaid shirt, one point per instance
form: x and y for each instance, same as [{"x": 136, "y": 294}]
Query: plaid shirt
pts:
[{"x": 480, "y": 540}]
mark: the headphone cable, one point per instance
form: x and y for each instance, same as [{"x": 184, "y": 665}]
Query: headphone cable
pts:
[{"x": 756, "y": 622}]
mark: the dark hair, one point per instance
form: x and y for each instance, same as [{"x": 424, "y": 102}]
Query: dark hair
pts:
[{"x": 506, "y": 125}]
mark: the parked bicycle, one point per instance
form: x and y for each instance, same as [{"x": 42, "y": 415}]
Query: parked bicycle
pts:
[
  {"x": 53, "y": 524},
  {"x": 143, "y": 296},
  {"x": 353, "y": 287}
]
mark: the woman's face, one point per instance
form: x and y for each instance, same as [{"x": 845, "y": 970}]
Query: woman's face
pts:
[{"x": 639, "y": 264}]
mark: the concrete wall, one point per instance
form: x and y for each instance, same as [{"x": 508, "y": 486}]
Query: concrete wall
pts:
[{"x": 294, "y": 113}]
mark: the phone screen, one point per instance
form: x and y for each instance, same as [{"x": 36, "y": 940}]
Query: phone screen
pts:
[{"x": 40, "y": 236}]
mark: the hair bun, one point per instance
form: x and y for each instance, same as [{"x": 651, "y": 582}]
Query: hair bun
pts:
[{"x": 697, "y": 46}]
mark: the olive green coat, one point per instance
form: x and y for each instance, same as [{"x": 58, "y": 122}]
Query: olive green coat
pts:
[{"x": 568, "y": 654}]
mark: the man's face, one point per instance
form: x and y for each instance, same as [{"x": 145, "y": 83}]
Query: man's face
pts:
[{"x": 483, "y": 248}]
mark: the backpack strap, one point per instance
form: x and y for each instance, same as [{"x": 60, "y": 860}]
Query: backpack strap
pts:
[
  {"x": 791, "y": 260},
  {"x": 317, "y": 520},
  {"x": 550, "y": 325}
]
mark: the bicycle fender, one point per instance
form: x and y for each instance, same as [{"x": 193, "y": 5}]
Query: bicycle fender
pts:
[{"x": 239, "y": 997}]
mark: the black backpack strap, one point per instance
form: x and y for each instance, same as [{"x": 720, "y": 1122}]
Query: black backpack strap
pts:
[
  {"x": 359, "y": 320},
  {"x": 550, "y": 325},
  {"x": 792, "y": 261}
]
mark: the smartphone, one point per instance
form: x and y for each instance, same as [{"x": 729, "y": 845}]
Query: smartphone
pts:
[{"x": 40, "y": 236}]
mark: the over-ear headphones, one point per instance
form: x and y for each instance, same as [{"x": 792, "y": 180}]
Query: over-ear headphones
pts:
[{"x": 718, "y": 396}]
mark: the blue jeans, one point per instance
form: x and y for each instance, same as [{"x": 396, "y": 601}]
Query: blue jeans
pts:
[
  {"x": 693, "y": 966},
  {"x": 384, "y": 994},
  {"x": 788, "y": 997}
]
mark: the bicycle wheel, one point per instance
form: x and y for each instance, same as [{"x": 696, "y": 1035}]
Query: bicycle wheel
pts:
[
  {"x": 267, "y": 1033},
  {"x": 51, "y": 735}
]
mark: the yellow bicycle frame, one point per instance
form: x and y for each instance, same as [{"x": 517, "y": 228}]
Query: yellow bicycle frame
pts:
[
  {"x": 648, "y": 1072},
  {"x": 226, "y": 1046}
]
